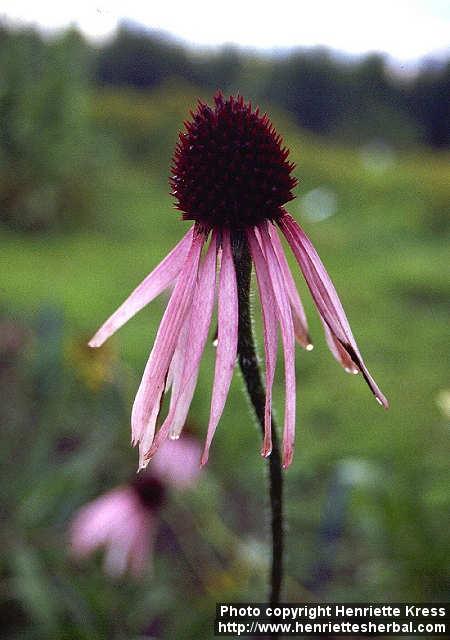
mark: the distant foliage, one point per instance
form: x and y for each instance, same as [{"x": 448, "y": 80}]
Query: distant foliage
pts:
[
  {"x": 134, "y": 59},
  {"x": 144, "y": 124},
  {"x": 356, "y": 100},
  {"x": 431, "y": 105},
  {"x": 46, "y": 175}
]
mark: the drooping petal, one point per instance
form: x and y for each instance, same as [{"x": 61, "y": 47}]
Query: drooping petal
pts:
[
  {"x": 268, "y": 306},
  {"x": 94, "y": 523},
  {"x": 298, "y": 312},
  {"x": 158, "y": 280},
  {"x": 153, "y": 379},
  {"x": 183, "y": 404},
  {"x": 141, "y": 555},
  {"x": 146, "y": 436},
  {"x": 226, "y": 340},
  {"x": 326, "y": 298},
  {"x": 178, "y": 359},
  {"x": 173, "y": 378},
  {"x": 288, "y": 338},
  {"x": 119, "y": 546},
  {"x": 130, "y": 529},
  {"x": 198, "y": 335},
  {"x": 194, "y": 344},
  {"x": 118, "y": 522}
]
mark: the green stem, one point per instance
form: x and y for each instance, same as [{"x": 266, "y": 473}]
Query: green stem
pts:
[{"x": 248, "y": 362}]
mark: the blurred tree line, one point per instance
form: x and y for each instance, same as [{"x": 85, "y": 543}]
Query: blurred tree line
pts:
[
  {"x": 64, "y": 102},
  {"x": 352, "y": 99}
]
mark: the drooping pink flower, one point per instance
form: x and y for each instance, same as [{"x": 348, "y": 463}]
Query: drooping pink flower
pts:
[
  {"x": 125, "y": 521},
  {"x": 230, "y": 174},
  {"x": 118, "y": 522}
]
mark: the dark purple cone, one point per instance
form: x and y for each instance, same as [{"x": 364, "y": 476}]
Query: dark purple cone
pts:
[{"x": 230, "y": 168}]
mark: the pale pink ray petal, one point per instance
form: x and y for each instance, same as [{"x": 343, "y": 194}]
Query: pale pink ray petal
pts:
[
  {"x": 173, "y": 377},
  {"x": 227, "y": 339},
  {"x": 198, "y": 327},
  {"x": 159, "y": 279},
  {"x": 288, "y": 338},
  {"x": 153, "y": 379},
  {"x": 298, "y": 312},
  {"x": 117, "y": 551},
  {"x": 326, "y": 298},
  {"x": 182, "y": 407},
  {"x": 118, "y": 522},
  {"x": 85, "y": 537},
  {"x": 177, "y": 363},
  {"x": 141, "y": 555},
  {"x": 173, "y": 380},
  {"x": 200, "y": 322},
  {"x": 93, "y": 523},
  {"x": 173, "y": 364},
  {"x": 268, "y": 306},
  {"x": 122, "y": 540},
  {"x": 147, "y": 435}
]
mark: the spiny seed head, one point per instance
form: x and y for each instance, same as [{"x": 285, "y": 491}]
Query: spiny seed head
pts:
[{"x": 230, "y": 167}]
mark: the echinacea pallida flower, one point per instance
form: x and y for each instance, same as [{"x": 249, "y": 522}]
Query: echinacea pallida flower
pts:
[
  {"x": 125, "y": 520},
  {"x": 230, "y": 175}
]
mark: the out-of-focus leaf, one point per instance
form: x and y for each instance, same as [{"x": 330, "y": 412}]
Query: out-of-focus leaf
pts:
[{"x": 34, "y": 588}]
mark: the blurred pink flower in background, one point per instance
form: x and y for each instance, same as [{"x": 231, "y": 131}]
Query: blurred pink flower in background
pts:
[
  {"x": 177, "y": 462},
  {"x": 125, "y": 520},
  {"x": 119, "y": 522}
]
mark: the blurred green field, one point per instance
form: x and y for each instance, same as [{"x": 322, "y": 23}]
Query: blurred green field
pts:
[{"x": 367, "y": 494}]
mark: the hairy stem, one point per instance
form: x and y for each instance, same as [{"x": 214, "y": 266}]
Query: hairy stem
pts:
[{"x": 251, "y": 372}]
